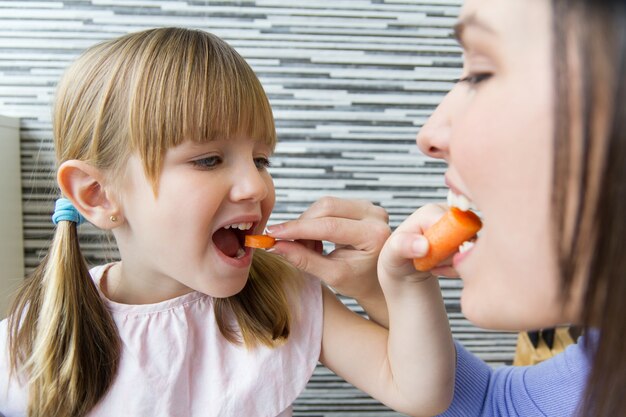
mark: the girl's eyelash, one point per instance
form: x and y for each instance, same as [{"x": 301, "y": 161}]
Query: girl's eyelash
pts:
[
  {"x": 211, "y": 162},
  {"x": 207, "y": 162},
  {"x": 262, "y": 162},
  {"x": 475, "y": 78}
]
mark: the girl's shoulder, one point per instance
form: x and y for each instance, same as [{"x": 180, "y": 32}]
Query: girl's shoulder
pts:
[
  {"x": 13, "y": 394},
  {"x": 181, "y": 352}
]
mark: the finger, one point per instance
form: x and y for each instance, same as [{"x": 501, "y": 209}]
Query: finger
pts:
[
  {"x": 349, "y": 209},
  {"x": 305, "y": 259},
  {"x": 402, "y": 247},
  {"x": 314, "y": 245},
  {"x": 445, "y": 271},
  {"x": 362, "y": 235},
  {"x": 423, "y": 218}
]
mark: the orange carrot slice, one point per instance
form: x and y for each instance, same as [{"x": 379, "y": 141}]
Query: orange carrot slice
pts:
[
  {"x": 445, "y": 236},
  {"x": 259, "y": 241}
]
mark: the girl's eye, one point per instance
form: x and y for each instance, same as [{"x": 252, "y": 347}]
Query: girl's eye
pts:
[
  {"x": 207, "y": 162},
  {"x": 474, "y": 79},
  {"x": 262, "y": 163}
]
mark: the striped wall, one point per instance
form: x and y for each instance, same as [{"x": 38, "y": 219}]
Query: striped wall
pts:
[{"x": 350, "y": 81}]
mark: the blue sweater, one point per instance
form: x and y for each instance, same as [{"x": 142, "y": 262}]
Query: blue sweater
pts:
[{"x": 552, "y": 388}]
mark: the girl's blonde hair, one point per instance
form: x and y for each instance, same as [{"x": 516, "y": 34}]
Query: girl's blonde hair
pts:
[{"x": 142, "y": 93}]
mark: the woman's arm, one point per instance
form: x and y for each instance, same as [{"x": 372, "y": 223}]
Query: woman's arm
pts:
[{"x": 551, "y": 388}]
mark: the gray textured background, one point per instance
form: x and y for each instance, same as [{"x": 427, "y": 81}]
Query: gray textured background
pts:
[{"x": 350, "y": 81}]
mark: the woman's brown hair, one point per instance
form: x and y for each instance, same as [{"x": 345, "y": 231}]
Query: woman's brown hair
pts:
[
  {"x": 142, "y": 93},
  {"x": 590, "y": 184}
]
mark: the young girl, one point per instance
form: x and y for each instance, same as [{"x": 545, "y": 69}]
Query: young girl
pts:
[
  {"x": 535, "y": 135},
  {"x": 164, "y": 137}
]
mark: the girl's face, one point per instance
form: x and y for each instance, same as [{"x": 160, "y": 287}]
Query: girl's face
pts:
[
  {"x": 495, "y": 130},
  {"x": 190, "y": 235}
]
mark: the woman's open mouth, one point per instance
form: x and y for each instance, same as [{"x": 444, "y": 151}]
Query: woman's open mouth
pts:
[{"x": 463, "y": 203}]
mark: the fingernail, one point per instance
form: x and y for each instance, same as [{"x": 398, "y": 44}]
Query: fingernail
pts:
[
  {"x": 420, "y": 246},
  {"x": 273, "y": 229}
]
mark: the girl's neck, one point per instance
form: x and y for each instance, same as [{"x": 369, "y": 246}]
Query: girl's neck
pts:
[{"x": 120, "y": 287}]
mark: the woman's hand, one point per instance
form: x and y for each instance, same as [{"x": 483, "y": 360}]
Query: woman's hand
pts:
[{"x": 358, "y": 229}]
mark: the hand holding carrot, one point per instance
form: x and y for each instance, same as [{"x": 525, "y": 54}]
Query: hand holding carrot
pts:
[
  {"x": 358, "y": 229},
  {"x": 445, "y": 236},
  {"x": 407, "y": 243}
]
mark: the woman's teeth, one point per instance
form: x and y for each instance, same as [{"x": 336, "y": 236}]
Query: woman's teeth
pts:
[
  {"x": 241, "y": 252},
  {"x": 460, "y": 201},
  {"x": 240, "y": 226},
  {"x": 465, "y": 246}
]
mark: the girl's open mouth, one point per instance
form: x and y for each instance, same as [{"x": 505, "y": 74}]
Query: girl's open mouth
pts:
[{"x": 230, "y": 239}]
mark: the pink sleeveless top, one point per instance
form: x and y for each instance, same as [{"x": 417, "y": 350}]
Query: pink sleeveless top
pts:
[{"x": 176, "y": 363}]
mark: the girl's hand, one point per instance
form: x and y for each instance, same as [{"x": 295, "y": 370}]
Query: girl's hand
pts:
[{"x": 408, "y": 242}]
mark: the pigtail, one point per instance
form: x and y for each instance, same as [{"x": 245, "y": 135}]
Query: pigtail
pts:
[{"x": 61, "y": 336}]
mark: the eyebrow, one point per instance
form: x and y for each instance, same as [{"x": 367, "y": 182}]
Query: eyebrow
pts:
[{"x": 470, "y": 21}]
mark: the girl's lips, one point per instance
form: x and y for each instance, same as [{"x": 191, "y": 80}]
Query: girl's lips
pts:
[{"x": 243, "y": 262}]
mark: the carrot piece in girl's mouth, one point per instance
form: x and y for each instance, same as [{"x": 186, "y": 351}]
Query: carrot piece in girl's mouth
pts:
[
  {"x": 446, "y": 235},
  {"x": 259, "y": 241}
]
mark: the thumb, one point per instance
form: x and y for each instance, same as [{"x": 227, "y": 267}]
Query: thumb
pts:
[
  {"x": 402, "y": 247},
  {"x": 302, "y": 257}
]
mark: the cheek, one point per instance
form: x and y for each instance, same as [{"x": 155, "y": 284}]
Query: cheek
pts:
[
  {"x": 267, "y": 204},
  {"x": 503, "y": 154}
]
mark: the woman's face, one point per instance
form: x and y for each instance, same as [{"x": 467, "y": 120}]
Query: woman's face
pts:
[{"x": 495, "y": 131}]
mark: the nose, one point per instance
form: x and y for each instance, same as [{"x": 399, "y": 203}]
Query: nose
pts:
[
  {"x": 433, "y": 138},
  {"x": 250, "y": 184}
]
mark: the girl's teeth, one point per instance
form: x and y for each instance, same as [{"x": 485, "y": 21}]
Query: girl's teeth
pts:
[
  {"x": 459, "y": 201},
  {"x": 466, "y": 246},
  {"x": 240, "y": 253},
  {"x": 240, "y": 226}
]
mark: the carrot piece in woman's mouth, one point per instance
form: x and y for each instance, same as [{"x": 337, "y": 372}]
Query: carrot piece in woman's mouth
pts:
[{"x": 446, "y": 235}]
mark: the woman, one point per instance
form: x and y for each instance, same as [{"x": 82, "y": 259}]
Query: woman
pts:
[{"x": 535, "y": 136}]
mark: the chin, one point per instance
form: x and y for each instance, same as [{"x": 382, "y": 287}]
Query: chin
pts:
[
  {"x": 232, "y": 288},
  {"x": 226, "y": 288},
  {"x": 504, "y": 316},
  {"x": 488, "y": 314}
]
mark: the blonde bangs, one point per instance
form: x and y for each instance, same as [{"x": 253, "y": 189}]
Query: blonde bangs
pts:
[{"x": 190, "y": 85}]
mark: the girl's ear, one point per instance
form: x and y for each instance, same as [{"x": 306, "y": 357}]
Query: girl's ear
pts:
[{"x": 83, "y": 185}]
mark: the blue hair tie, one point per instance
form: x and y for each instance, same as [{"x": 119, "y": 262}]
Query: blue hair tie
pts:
[{"x": 65, "y": 211}]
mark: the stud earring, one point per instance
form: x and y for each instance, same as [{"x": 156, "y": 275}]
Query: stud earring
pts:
[{"x": 113, "y": 218}]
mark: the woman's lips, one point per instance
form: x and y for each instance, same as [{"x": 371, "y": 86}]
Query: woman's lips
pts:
[{"x": 464, "y": 251}]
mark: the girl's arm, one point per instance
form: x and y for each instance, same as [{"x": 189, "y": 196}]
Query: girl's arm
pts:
[{"x": 409, "y": 367}]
